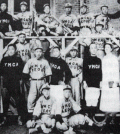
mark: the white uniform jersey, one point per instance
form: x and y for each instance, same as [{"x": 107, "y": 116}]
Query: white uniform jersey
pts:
[
  {"x": 37, "y": 68},
  {"x": 75, "y": 65},
  {"x": 26, "y": 19},
  {"x": 45, "y": 106},
  {"x": 102, "y": 19},
  {"x": 23, "y": 51},
  {"x": 65, "y": 107},
  {"x": 69, "y": 21},
  {"x": 86, "y": 20}
]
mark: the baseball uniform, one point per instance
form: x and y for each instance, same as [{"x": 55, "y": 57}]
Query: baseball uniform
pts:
[
  {"x": 69, "y": 21},
  {"x": 23, "y": 50},
  {"x": 38, "y": 69},
  {"x": 5, "y": 20},
  {"x": 92, "y": 74},
  {"x": 75, "y": 65},
  {"x": 11, "y": 70}
]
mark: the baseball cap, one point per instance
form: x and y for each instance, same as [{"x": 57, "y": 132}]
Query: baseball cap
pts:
[
  {"x": 104, "y": 6},
  {"x": 46, "y": 5},
  {"x": 45, "y": 86},
  {"x": 74, "y": 48},
  {"x": 68, "y": 5},
  {"x": 23, "y": 3},
  {"x": 84, "y": 5},
  {"x": 54, "y": 47},
  {"x": 67, "y": 87},
  {"x": 20, "y": 33}
]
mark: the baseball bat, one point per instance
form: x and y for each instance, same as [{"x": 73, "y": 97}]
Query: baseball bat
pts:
[{"x": 1, "y": 100}]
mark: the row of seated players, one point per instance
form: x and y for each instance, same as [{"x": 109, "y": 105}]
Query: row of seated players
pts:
[{"x": 48, "y": 25}]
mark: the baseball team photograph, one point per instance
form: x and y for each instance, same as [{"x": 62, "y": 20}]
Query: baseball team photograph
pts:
[{"x": 59, "y": 66}]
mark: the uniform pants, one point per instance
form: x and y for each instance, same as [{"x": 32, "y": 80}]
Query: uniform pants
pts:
[
  {"x": 75, "y": 84},
  {"x": 34, "y": 93},
  {"x": 12, "y": 91}
]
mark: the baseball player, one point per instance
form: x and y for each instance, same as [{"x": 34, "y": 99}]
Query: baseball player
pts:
[
  {"x": 70, "y": 20},
  {"x": 68, "y": 113},
  {"x": 61, "y": 73},
  {"x": 92, "y": 75},
  {"x": 25, "y": 17},
  {"x": 6, "y": 19},
  {"x": 75, "y": 65},
  {"x": 11, "y": 70},
  {"x": 23, "y": 48},
  {"x": 44, "y": 112},
  {"x": 86, "y": 20},
  {"x": 103, "y": 18},
  {"x": 38, "y": 68},
  {"x": 47, "y": 19}
]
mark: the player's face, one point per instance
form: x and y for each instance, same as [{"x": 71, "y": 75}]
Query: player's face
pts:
[
  {"x": 3, "y": 7},
  {"x": 22, "y": 38},
  {"x": 23, "y": 8},
  {"x": 56, "y": 52},
  {"x": 67, "y": 93},
  {"x": 98, "y": 28},
  {"x": 38, "y": 53},
  {"x": 46, "y": 93},
  {"x": 104, "y": 10},
  {"x": 68, "y": 10},
  {"x": 73, "y": 53},
  {"x": 108, "y": 49},
  {"x": 83, "y": 10},
  {"x": 47, "y": 9},
  {"x": 11, "y": 51},
  {"x": 93, "y": 49}
]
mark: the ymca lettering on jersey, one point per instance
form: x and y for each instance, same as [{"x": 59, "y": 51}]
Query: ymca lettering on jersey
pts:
[
  {"x": 37, "y": 67},
  {"x": 68, "y": 23},
  {"x": 3, "y": 21},
  {"x": 46, "y": 109},
  {"x": 66, "y": 108},
  {"x": 74, "y": 65},
  {"x": 55, "y": 66},
  {"x": 94, "y": 66},
  {"x": 23, "y": 52},
  {"x": 11, "y": 64}
]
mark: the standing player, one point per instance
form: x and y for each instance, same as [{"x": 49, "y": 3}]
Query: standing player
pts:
[
  {"x": 38, "y": 69},
  {"x": 11, "y": 70},
  {"x": 61, "y": 73},
  {"x": 68, "y": 113},
  {"x": 92, "y": 76},
  {"x": 25, "y": 17},
  {"x": 5, "y": 19},
  {"x": 23, "y": 48},
  {"x": 47, "y": 19},
  {"x": 103, "y": 17},
  {"x": 75, "y": 65},
  {"x": 70, "y": 20},
  {"x": 44, "y": 112}
]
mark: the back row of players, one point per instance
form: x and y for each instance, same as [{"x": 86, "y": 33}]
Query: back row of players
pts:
[
  {"x": 64, "y": 78},
  {"x": 48, "y": 25}
]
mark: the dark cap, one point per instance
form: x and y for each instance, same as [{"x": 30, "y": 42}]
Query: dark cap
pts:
[
  {"x": 68, "y": 5},
  {"x": 46, "y": 5},
  {"x": 67, "y": 87}
]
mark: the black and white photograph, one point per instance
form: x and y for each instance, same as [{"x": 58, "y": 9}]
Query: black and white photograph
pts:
[{"x": 59, "y": 66}]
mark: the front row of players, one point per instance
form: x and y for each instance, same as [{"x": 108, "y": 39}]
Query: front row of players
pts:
[
  {"x": 39, "y": 70},
  {"x": 48, "y": 113}
]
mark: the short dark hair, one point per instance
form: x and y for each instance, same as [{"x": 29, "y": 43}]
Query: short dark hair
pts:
[
  {"x": 109, "y": 45},
  {"x": 12, "y": 45}
]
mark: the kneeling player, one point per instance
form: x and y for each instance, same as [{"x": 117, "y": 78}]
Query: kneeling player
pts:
[
  {"x": 68, "y": 113},
  {"x": 45, "y": 109}
]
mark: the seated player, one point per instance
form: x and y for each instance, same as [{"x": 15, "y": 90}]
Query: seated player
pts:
[
  {"x": 70, "y": 20},
  {"x": 6, "y": 20},
  {"x": 43, "y": 119},
  {"x": 75, "y": 65},
  {"x": 38, "y": 68},
  {"x": 68, "y": 115}
]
